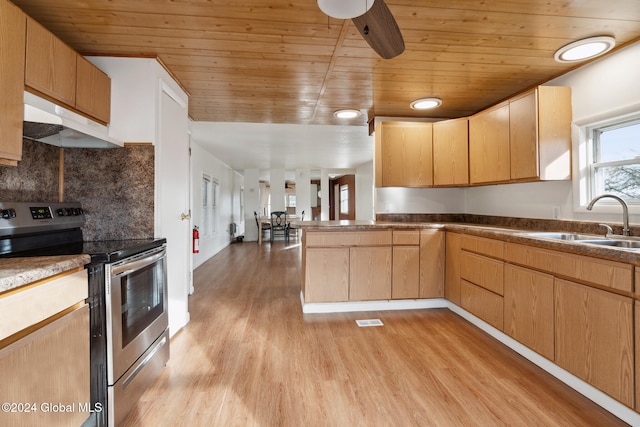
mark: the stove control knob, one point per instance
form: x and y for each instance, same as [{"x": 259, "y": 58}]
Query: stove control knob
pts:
[
  {"x": 62, "y": 212},
  {"x": 8, "y": 213}
]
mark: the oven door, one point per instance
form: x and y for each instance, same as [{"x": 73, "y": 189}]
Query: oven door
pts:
[{"x": 136, "y": 308}]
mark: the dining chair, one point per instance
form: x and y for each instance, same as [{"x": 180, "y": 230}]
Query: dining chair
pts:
[
  {"x": 294, "y": 228},
  {"x": 266, "y": 227},
  {"x": 279, "y": 225}
]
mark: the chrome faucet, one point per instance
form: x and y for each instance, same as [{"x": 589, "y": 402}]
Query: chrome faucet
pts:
[{"x": 625, "y": 210}]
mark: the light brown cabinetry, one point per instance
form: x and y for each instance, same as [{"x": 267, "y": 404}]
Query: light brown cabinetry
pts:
[
  {"x": 347, "y": 266},
  {"x": 528, "y": 308},
  {"x": 451, "y": 152},
  {"x": 403, "y": 155},
  {"x": 452, "y": 267},
  {"x": 432, "y": 253},
  {"x": 326, "y": 276},
  {"x": 56, "y": 71},
  {"x": 540, "y": 134},
  {"x": 50, "y": 64},
  {"x": 12, "y": 41},
  {"x": 406, "y": 264},
  {"x": 47, "y": 367},
  {"x": 527, "y": 138},
  {"x": 93, "y": 91},
  {"x": 594, "y": 338},
  {"x": 370, "y": 273},
  {"x": 481, "y": 286},
  {"x": 489, "y": 151}
]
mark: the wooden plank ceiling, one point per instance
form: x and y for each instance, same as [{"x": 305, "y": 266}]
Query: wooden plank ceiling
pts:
[{"x": 268, "y": 61}]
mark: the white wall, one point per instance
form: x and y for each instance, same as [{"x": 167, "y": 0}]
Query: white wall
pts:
[
  {"x": 203, "y": 162},
  {"x": 251, "y": 203},
  {"x": 303, "y": 192},
  {"x": 364, "y": 192},
  {"x": 419, "y": 200}
]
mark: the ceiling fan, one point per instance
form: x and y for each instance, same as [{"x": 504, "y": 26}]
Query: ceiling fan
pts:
[{"x": 374, "y": 21}]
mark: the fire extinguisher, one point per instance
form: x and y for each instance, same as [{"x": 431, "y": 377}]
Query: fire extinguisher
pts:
[{"x": 196, "y": 240}]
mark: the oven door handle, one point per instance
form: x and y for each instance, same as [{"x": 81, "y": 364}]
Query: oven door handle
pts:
[{"x": 132, "y": 266}]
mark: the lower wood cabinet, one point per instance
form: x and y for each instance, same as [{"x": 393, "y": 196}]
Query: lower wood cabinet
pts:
[
  {"x": 594, "y": 338},
  {"x": 406, "y": 272},
  {"x": 50, "y": 366},
  {"x": 370, "y": 273},
  {"x": 326, "y": 275},
  {"x": 432, "y": 259},
  {"x": 528, "y": 308},
  {"x": 453, "y": 243}
]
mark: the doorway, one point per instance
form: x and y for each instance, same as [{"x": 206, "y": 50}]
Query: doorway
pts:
[{"x": 342, "y": 198}]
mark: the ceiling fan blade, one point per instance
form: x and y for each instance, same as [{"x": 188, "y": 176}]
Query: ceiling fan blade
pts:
[{"x": 379, "y": 28}]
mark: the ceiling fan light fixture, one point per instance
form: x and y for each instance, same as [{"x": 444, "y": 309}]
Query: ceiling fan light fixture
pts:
[
  {"x": 346, "y": 114},
  {"x": 345, "y": 9},
  {"x": 426, "y": 103},
  {"x": 584, "y": 49}
]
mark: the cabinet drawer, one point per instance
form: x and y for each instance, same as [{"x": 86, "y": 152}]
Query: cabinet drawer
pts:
[
  {"x": 482, "y": 303},
  {"x": 30, "y": 304},
  {"x": 484, "y": 246},
  {"x": 349, "y": 238},
  {"x": 406, "y": 237},
  {"x": 612, "y": 274},
  {"x": 482, "y": 271}
]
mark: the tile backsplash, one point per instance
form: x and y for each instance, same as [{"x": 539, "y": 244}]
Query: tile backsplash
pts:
[{"x": 115, "y": 186}]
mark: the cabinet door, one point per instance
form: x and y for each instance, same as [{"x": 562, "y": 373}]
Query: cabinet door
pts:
[
  {"x": 528, "y": 308},
  {"x": 93, "y": 91},
  {"x": 50, "y": 64},
  {"x": 405, "y": 282},
  {"x": 452, "y": 267},
  {"x": 405, "y": 154},
  {"x": 594, "y": 338},
  {"x": 451, "y": 152},
  {"x": 12, "y": 43},
  {"x": 523, "y": 134},
  {"x": 432, "y": 257},
  {"x": 489, "y": 146},
  {"x": 370, "y": 273},
  {"x": 326, "y": 275},
  {"x": 49, "y": 366}
]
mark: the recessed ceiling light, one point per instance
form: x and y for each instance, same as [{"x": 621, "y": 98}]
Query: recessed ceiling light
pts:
[
  {"x": 347, "y": 114},
  {"x": 584, "y": 49},
  {"x": 426, "y": 103}
]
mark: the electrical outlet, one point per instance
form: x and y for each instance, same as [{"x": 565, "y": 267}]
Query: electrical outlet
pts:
[{"x": 556, "y": 212}]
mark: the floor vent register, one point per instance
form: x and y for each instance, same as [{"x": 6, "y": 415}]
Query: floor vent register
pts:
[{"x": 369, "y": 322}]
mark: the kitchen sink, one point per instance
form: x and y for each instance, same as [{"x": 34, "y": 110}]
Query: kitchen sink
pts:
[
  {"x": 626, "y": 244},
  {"x": 564, "y": 236}
]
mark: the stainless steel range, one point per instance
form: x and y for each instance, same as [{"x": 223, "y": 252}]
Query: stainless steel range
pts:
[{"x": 127, "y": 299}]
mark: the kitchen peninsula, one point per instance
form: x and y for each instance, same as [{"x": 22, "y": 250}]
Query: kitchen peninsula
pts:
[{"x": 556, "y": 292}]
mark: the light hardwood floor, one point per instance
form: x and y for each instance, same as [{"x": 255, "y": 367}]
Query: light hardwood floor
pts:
[{"x": 249, "y": 357}]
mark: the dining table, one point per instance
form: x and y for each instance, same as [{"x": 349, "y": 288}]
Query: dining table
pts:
[{"x": 267, "y": 220}]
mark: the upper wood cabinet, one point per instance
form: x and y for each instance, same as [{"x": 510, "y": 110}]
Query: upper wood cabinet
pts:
[
  {"x": 93, "y": 91},
  {"x": 451, "y": 152},
  {"x": 12, "y": 41},
  {"x": 403, "y": 155},
  {"x": 489, "y": 151},
  {"x": 527, "y": 138},
  {"x": 56, "y": 71},
  {"x": 540, "y": 134},
  {"x": 50, "y": 64}
]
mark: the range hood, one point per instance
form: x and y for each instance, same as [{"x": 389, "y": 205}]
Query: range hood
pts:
[{"x": 52, "y": 124}]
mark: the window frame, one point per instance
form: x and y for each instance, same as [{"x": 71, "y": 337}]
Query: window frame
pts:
[{"x": 593, "y": 151}]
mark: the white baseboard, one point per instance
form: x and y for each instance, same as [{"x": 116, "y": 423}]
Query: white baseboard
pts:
[{"x": 621, "y": 411}]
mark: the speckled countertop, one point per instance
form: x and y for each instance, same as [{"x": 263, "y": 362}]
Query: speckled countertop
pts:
[
  {"x": 15, "y": 272},
  {"x": 508, "y": 234}
]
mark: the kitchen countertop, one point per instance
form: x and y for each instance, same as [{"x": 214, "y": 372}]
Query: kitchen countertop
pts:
[
  {"x": 513, "y": 235},
  {"x": 16, "y": 272}
]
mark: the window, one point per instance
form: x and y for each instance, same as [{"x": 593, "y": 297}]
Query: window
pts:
[
  {"x": 615, "y": 160},
  {"x": 209, "y": 203},
  {"x": 344, "y": 199}
]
